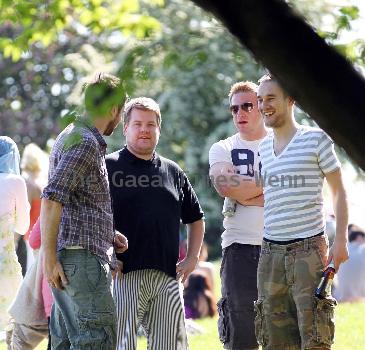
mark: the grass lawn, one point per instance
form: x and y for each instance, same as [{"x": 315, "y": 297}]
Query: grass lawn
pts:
[{"x": 350, "y": 329}]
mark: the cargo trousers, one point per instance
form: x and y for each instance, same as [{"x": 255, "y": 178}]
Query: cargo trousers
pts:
[{"x": 288, "y": 314}]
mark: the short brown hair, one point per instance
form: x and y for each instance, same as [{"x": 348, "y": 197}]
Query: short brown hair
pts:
[
  {"x": 143, "y": 103},
  {"x": 242, "y": 86},
  {"x": 268, "y": 77},
  {"x": 271, "y": 78},
  {"x": 102, "y": 93}
]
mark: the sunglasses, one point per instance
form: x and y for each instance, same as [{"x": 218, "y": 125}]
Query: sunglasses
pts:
[{"x": 247, "y": 107}]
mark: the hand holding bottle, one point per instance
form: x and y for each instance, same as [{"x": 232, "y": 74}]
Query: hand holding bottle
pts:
[{"x": 324, "y": 288}]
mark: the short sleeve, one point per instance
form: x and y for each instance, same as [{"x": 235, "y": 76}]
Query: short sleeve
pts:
[
  {"x": 219, "y": 153},
  {"x": 73, "y": 167},
  {"x": 327, "y": 158},
  {"x": 191, "y": 209}
]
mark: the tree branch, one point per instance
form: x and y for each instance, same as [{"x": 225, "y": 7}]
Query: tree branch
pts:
[{"x": 321, "y": 80}]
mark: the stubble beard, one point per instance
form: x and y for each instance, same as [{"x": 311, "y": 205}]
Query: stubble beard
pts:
[
  {"x": 277, "y": 122},
  {"x": 110, "y": 128}
]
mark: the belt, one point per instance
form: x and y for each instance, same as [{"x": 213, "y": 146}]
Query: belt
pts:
[{"x": 292, "y": 240}]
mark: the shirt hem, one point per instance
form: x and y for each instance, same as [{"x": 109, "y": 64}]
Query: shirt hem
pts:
[
  {"x": 289, "y": 238},
  {"x": 252, "y": 242}
]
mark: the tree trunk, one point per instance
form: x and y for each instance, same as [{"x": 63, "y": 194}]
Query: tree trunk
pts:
[{"x": 321, "y": 80}]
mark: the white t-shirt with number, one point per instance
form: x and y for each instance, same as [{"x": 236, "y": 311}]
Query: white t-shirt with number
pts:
[{"x": 246, "y": 225}]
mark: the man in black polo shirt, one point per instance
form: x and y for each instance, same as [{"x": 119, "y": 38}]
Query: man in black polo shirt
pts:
[{"x": 151, "y": 195}]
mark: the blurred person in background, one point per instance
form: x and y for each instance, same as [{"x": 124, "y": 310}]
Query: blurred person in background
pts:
[
  {"x": 199, "y": 300},
  {"x": 205, "y": 266},
  {"x": 34, "y": 166},
  {"x": 350, "y": 278},
  {"x": 35, "y": 243},
  {"x": 14, "y": 218},
  {"x": 330, "y": 229},
  {"x": 31, "y": 308}
]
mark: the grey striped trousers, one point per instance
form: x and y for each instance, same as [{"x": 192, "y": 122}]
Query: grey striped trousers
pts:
[{"x": 149, "y": 298}]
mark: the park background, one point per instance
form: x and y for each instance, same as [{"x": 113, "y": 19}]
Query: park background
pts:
[
  {"x": 169, "y": 50},
  {"x": 350, "y": 328}
]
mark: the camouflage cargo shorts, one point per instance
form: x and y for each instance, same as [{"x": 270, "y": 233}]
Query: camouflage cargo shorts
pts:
[{"x": 288, "y": 315}]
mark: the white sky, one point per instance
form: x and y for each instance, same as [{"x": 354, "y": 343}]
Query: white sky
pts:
[
  {"x": 355, "y": 193},
  {"x": 355, "y": 188},
  {"x": 358, "y": 27}
]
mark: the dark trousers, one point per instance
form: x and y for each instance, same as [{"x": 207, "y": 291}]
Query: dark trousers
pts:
[{"x": 239, "y": 292}]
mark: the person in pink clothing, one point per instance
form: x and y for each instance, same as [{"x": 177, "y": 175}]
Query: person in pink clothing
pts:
[
  {"x": 35, "y": 296},
  {"x": 28, "y": 333},
  {"x": 35, "y": 243}
]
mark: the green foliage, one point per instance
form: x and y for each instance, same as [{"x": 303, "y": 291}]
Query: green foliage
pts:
[
  {"x": 343, "y": 22},
  {"x": 350, "y": 331},
  {"x": 338, "y": 21},
  {"x": 189, "y": 72},
  {"x": 353, "y": 49},
  {"x": 41, "y": 85},
  {"x": 171, "y": 51},
  {"x": 43, "y": 22}
]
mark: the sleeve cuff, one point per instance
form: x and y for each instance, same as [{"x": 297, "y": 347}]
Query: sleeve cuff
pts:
[
  {"x": 56, "y": 197},
  {"x": 193, "y": 219}
]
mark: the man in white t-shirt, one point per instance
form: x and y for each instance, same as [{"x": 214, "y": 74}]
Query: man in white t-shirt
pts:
[
  {"x": 234, "y": 170},
  {"x": 295, "y": 161}
]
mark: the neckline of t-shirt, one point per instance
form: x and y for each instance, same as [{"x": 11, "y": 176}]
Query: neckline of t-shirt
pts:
[
  {"x": 299, "y": 130},
  {"x": 249, "y": 141},
  {"x": 134, "y": 159}
]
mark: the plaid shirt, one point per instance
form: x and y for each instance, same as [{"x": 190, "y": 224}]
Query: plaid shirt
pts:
[{"x": 78, "y": 180}]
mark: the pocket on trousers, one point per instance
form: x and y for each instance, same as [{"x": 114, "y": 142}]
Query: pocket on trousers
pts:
[
  {"x": 223, "y": 320},
  {"x": 97, "y": 329},
  {"x": 259, "y": 321},
  {"x": 324, "y": 325},
  {"x": 69, "y": 269},
  {"x": 223, "y": 263},
  {"x": 94, "y": 273}
]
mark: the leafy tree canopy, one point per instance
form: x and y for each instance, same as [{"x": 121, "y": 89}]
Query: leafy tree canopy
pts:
[
  {"x": 171, "y": 51},
  {"x": 42, "y": 22}
]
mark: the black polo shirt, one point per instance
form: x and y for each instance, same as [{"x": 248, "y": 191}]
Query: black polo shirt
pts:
[{"x": 150, "y": 198}]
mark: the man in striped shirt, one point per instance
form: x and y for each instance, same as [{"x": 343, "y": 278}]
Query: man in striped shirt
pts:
[{"x": 295, "y": 160}]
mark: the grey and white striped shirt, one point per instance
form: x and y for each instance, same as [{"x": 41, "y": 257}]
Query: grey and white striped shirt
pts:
[{"x": 293, "y": 183}]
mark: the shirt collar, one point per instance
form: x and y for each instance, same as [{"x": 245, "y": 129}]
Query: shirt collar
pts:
[{"x": 86, "y": 123}]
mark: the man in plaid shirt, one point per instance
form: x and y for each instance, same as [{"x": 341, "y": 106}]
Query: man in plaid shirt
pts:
[{"x": 77, "y": 224}]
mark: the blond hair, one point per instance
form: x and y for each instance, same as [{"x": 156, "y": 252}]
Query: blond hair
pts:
[
  {"x": 34, "y": 165},
  {"x": 34, "y": 159},
  {"x": 242, "y": 86}
]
